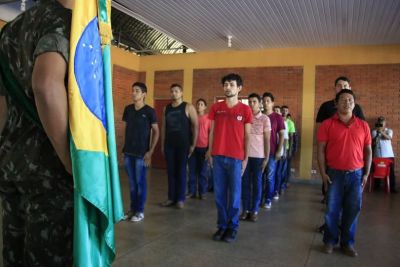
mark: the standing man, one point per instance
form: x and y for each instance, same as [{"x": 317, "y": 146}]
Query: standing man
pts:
[
  {"x": 291, "y": 130},
  {"x": 229, "y": 139},
  {"x": 197, "y": 161},
  {"x": 178, "y": 140},
  {"x": 258, "y": 158},
  {"x": 141, "y": 127},
  {"x": 328, "y": 108},
  {"x": 276, "y": 145},
  {"x": 382, "y": 138},
  {"x": 344, "y": 160},
  {"x": 36, "y": 186}
]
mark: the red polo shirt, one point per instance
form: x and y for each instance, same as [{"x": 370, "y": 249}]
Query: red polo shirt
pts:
[
  {"x": 229, "y": 129},
  {"x": 344, "y": 143}
]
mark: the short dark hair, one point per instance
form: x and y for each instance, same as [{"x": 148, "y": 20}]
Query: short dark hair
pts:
[
  {"x": 232, "y": 77},
  {"x": 344, "y": 91},
  {"x": 277, "y": 107},
  {"x": 268, "y": 94},
  {"x": 142, "y": 86},
  {"x": 381, "y": 119},
  {"x": 176, "y": 85},
  {"x": 342, "y": 78},
  {"x": 201, "y": 100},
  {"x": 285, "y": 107},
  {"x": 254, "y": 95}
]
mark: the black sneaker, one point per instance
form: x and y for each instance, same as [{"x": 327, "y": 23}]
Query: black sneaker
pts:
[
  {"x": 229, "y": 235},
  {"x": 217, "y": 236}
]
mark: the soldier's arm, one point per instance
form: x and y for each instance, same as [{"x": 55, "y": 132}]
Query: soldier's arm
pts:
[
  {"x": 3, "y": 112},
  {"x": 51, "y": 101}
]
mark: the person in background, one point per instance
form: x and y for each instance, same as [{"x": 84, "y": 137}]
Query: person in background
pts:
[
  {"x": 382, "y": 140},
  {"x": 328, "y": 108},
  {"x": 141, "y": 137},
  {"x": 178, "y": 140},
  {"x": 276, "y": 145},
  {"x": 198, "y": 166},
  {"x": 228, "y": 154},
  {"x": 36, "y": 185},
  {"x": 344, "y": 160},
  {"x": 291, "y": 129},
  {"x": 258, "y": 158}
]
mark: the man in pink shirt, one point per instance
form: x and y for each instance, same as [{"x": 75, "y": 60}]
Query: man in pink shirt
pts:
[
  {"x": 197, "y": 162},
  {"x": 229, "y": 135},
  {"x": 258, "y": 158}
]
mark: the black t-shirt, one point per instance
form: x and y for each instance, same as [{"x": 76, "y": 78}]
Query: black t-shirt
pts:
[
  {"x": 178, "y": 131},
  {"x": 328, "y": 109},
  {"x": 138, "y": 129}
]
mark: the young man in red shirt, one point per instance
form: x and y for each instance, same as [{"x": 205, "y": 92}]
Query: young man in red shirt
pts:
[
  {"x": 229, "y": 137},
  {"x": 197, "y": 162},
  {"x": 344, "y": 159}
]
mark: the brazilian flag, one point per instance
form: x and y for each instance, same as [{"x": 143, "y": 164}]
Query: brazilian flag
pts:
[{"x": 97, "y": 194}]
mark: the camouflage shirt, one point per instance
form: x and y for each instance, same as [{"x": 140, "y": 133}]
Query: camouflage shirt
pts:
[{"x": 25, "y": 149}]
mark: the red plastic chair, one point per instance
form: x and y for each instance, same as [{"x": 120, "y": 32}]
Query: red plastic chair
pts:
[{"x": 381, "y": 170}]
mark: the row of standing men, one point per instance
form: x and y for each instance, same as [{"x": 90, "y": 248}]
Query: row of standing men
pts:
[{"x": 239, "y": 142}]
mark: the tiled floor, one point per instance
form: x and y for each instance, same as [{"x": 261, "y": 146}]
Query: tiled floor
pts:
[{"x": 284, "y": 236}]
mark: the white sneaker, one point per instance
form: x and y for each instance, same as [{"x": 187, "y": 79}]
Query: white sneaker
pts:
[
  {"x": 128, "y": 216},
  {"x": 276, "y": 197},
  {"x": 267, "y": 205},
  {"x": 138, "y": 217}
]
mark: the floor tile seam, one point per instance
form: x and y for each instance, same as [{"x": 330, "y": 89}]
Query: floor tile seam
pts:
[{"x": 313, "y": 241}]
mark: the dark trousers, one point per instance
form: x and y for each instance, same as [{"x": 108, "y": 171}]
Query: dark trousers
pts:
[
  {"x": 198, "y": 171},
  {"x": 177, "y": 159},
  {"x": 37, "y": 221}
]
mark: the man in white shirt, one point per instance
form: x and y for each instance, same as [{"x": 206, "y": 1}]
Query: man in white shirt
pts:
[{"x": 382, "y": 140}]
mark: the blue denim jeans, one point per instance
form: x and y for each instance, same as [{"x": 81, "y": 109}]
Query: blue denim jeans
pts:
[
  {"x": 227, "y": 185},
  {"x": 269, "y": 179},
  {"x": 136, "y": 171},
  {"x": 177, "y": 159},
  {"x": 198, "y": 171},
  {"x": 343, "y": 200},
  {"x": 252, "y": 185},
  {"x": 280, "y": 176}
]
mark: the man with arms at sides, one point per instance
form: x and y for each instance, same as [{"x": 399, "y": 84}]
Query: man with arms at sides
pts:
[
  {"x": 141, "y": 137},
  {"x": 276, "y": 145},
  {"x": 344, "y": 160},
  {"x": 258, "y": 158},
  {"x": 228, "y": 153},
  {"x": 178, "y": 140},
  {"x": 36, "y": 186},
  {"x": 197, "y": 161},
  {"x": 291, "y": 130}
]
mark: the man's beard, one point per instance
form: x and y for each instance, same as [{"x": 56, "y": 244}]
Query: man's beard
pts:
[{"x": 230, "y": 95}]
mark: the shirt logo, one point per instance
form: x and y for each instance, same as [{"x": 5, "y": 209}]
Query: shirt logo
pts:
[
  {"x": 239, "y": 118},
  {"x": 144, "y": 115}
]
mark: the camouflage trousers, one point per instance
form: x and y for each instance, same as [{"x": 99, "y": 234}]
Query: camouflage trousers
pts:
[{"x": 37, "y": 221}]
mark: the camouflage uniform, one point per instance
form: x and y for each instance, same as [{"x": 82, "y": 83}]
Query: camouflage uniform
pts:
[{"x": 36, "y": 191}]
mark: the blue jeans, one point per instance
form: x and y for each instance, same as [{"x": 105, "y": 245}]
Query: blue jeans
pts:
[
  {"x": 269, "y": 179},
  {"x": 252, "y": 185},
  {"x": 198, "y": 171},
  {"x": 177, "y": 159},
  {"x": 343, "y": 199},
  {"x": 136, "y": 171},
  {"x": 280, "y": 177},
  {"x": 288, "y": 173},
  {"x": 227, "y": 185}
]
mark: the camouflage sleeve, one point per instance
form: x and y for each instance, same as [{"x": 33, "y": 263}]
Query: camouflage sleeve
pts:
[{"x": 53, "y": 42}]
